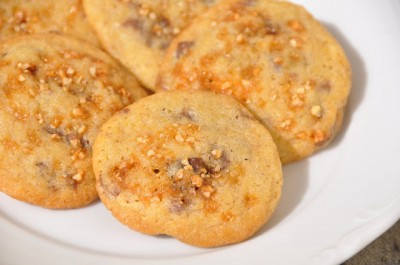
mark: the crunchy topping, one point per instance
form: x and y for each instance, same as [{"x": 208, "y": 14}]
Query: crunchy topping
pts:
[
  {"x": 141, "y": 140},
  {"x": 179, "y": 138},
  {"x": 78, "y": 155},
  {"x": 151, "y": 153},
  {"x": 70, "y": 71},
  {"x": 82, "y": 129},
  {"x": 296, "y": 42},
  {"x": 296, "y": 25},
  {"x": 207, "y": 190},
  {"x": 55, "y": 136},
  {"x": 66, "y": 81},
  {"x": 316, "y": 111},
  {"x": 77, "y": 112},
  {"x": 297, "y": 101},
  {"x": 93, "y": 71},
  {"x": 197, "y": 181},
  {"x": 217, "y": 153},
  {"x": 74, "y": 142},
  {"x": 286, "y": 124},
  {"x": 319, "y": 136},
  {"x": 240, "y": 38},
  {"x": 21, "y": 78},
  {"x": 77, "y": 177},
  {"x": 185, "y": 162}
]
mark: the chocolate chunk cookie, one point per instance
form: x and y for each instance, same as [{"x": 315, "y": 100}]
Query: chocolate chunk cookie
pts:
[
  {"x": 139, "y": 31},
  {"x": 193, "y": 165},
  {"x": 275, "y": 58},
  {"x": 55, "y": 93},
  {"x": 21, "y": 17}
]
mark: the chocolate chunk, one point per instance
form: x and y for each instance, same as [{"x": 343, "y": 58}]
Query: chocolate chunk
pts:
[
  {"x": 135, "y": 24},
  {"x": 178, "y": 205},
  {"x": 197, "y": 163},
  {"x": 125, "y": 110},
  {"x": 163, "y": 22},
  {"x": 224, "y": 160},
  {"x": 52, "y": 130},
  {"x": 249, "y": 2},
  {"x": 271, "y": 28},
  {"x": 85, "y": 143},
  {"x": 325, "y": 86},
  {"x": 32, "y": 69},
  {"x": 183, "y": 48},
  {"x": 111, "y": 190},
  {"x": 188, "y": 114},
  {"x": 41, "y": 165}
]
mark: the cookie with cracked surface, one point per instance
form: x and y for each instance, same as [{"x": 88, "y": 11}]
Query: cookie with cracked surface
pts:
[
  {"x": 55, "y": 93},
  {"x": 139, "y": 31},
  {"x": 21, "y": 17},
  {"x": 276, "y": 59},
  {"x": 177, "y": 163}
]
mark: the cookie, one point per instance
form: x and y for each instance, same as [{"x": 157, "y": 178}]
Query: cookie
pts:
[
  {"x": 275, "y": 58},
  {"x": 55, "y": 93},
  {"x": 21, "y": 17},
  {"x": 139, "y": 31},
  {"x": 178, "y": 163}
]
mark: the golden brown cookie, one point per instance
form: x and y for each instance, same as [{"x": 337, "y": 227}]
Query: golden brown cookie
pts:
[
  {"x": 55, "y": 93},
  {"x": 193, "y": 165},
  {"x": 276, "y": 59},
  {"x": 21, "y": 17},
  {"x": 137, "y": 32}
]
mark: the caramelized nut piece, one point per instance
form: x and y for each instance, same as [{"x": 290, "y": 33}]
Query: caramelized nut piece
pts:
[{"x": 316, "y": 111}]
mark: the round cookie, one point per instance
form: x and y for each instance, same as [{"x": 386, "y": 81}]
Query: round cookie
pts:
[
  {"x": 55, "y": 93},
  {"x": 139, "y": 31},
  {"x": 178, "y": 163},
  {"x": 20, "y": 17},
  {"x": 275, "y": 58}
]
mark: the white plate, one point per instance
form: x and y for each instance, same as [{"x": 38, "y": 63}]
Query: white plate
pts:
[{"x": 333, "y": 203}]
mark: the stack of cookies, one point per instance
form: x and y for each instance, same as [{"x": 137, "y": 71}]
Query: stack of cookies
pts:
[{"x": 240, "y": 87}]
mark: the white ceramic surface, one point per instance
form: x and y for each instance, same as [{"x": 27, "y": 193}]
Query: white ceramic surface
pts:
[{"x": 333, "y": 203}]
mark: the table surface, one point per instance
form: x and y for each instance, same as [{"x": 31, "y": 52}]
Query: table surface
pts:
[{"x": 385, "y": 250}]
